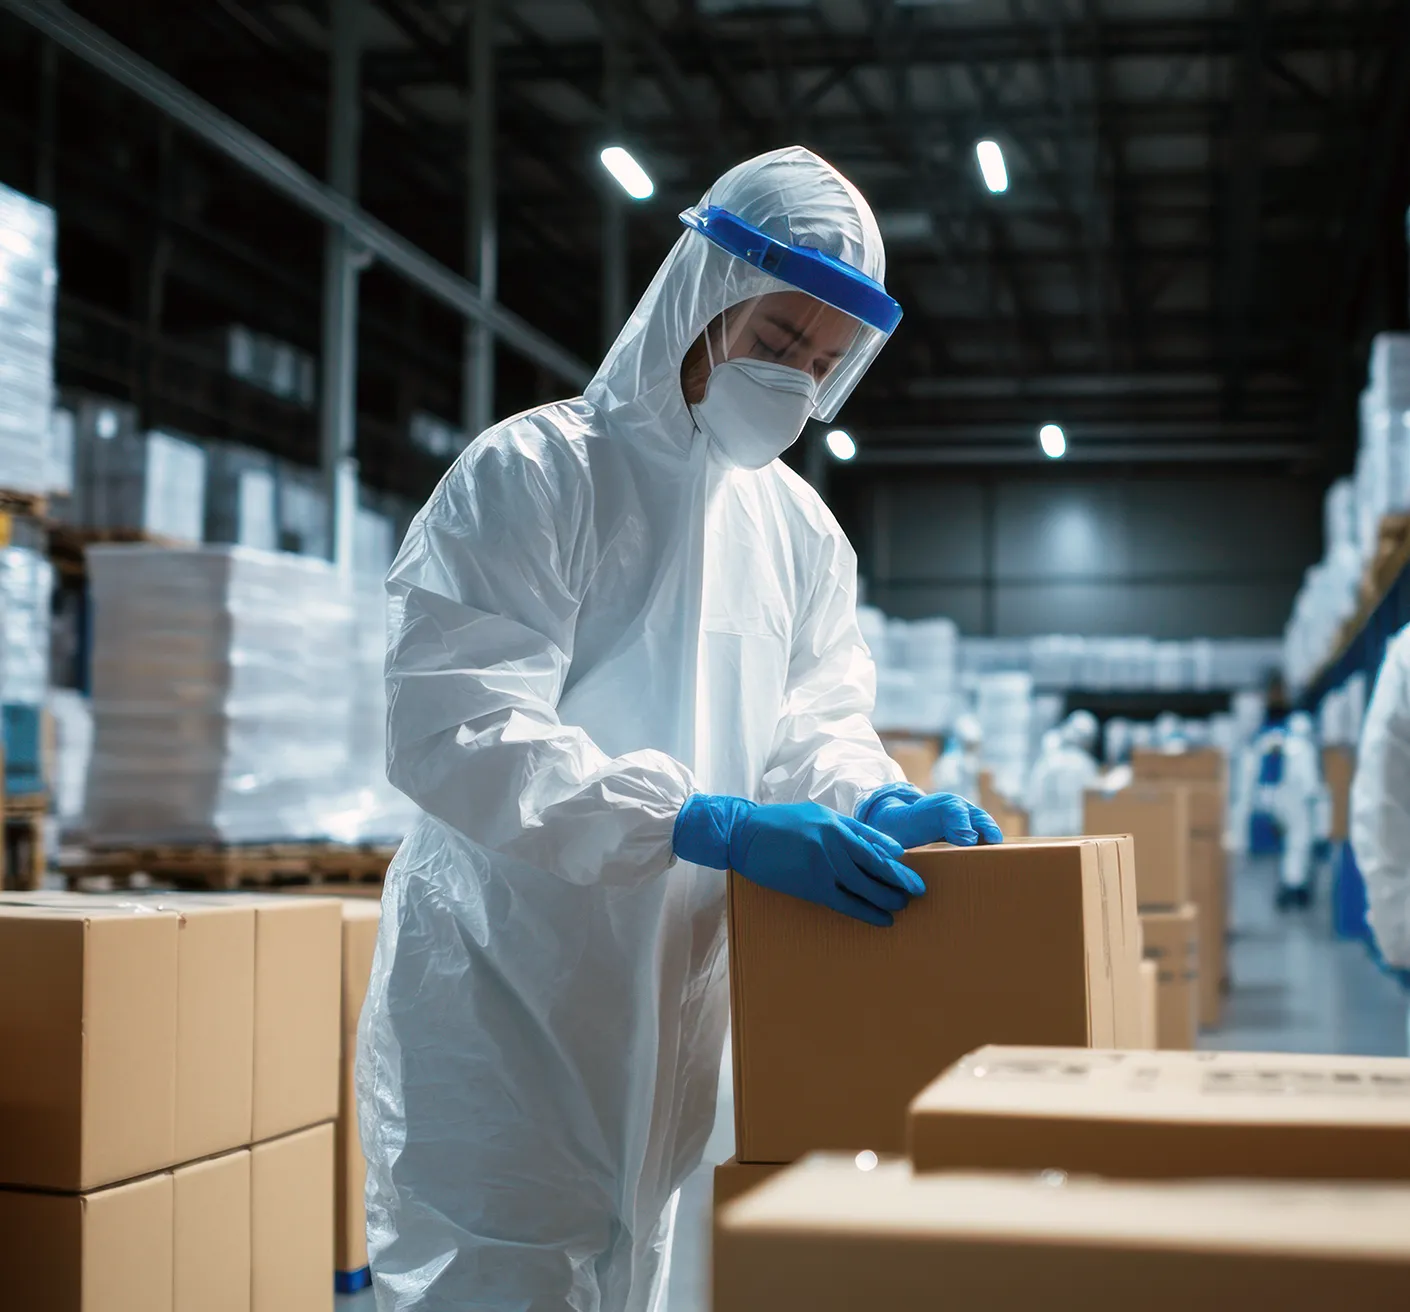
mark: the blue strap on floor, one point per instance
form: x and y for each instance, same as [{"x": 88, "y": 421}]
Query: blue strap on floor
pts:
[{"x": 349, "y": 1282}]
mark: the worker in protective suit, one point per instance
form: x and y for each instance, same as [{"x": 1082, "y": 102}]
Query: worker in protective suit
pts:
[
  {"x": 627, "y": 658},
  {"x": 1297, "y": 806},
  {"x": 957, "y": 769},
  {"x": 1063, "y": 772},
  {"x": 1380, "y": 805}
]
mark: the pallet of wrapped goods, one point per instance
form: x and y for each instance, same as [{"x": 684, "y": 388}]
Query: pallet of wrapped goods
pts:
[
  {"x": 1167, "y": 1115},
  {"x": 826, "y": 1236},
  {"x": 837, "y": 1024}
]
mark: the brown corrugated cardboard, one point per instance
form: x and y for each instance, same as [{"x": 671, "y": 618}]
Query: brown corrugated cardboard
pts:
[
  {"x": 106, "y": 1251},
  {"x": 360, "y": 922},
  {"x": 837, "y": 1025},
  {"x": 291, "y": 1231},
  {"x": 829, "y": 1238},
  {"x": 1158, "y": 819},
  {"x": 1338, "y": 769},
  {"x": 1167, "y": 1115},
  {"x": 88, "y": 1014},
  {"x": 1172, "y": 942},
  {"x": 734, "y": 1178},
  {"x": 211, "y": 1256},
  {"x": 1202, "y": 765},
  {"x": 1150, "y": 1006},
  {"x": 1011, "y": 818},
  {"x": 298, "y": 973}
]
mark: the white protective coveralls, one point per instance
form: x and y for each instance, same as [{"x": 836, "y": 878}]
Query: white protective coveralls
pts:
[
  {"x": 1380, "y": 804},
  {"x": 1061, "y": 776},
  {"x": 600, "y": 617},
  {"x": 957, "y": 769},
  {"x": 1297, "y": 801}
]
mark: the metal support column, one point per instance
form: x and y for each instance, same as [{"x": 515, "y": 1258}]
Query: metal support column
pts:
[
  {"x": 614, "y": 209},
  {"x": 482, "y": 230},
  {"x": 340, "y": 278}
]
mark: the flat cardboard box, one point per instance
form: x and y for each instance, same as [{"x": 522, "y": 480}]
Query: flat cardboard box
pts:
[
  {"x": 915, "y": 755},
  {"x": 1150, "y": 1006},
  {"x": 1158, "y": 819},
  {"x": 824, "y": 1236},
  {"x": 1209, "y": 889},
  {"x": 1172, "y": 941},
  {"x": 291, "y": 1230},
  {"x": 1206, "y": 765},
  {"x": 735, "y": 1178},
  {"x": 360, "y": 923},
  {"x": 1338, "y": 770},
  {"x": 211, "y": 1257},
  {"x": 105, "y": 1251},
  {"x": 1167, "y": 1115},
  {"x": 88, "y": 1023},
  {"x": 837, "y": 1025}
]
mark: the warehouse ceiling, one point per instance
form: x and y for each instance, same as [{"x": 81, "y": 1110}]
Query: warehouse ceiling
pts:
[{"x": 1201, "y": 230}]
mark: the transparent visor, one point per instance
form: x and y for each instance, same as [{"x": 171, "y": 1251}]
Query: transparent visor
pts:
[
  {"x": 792, "y": 329},
  {"x": 764, "y": 316}
]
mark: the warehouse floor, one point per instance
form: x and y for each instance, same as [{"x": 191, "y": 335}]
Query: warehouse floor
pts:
[{"x": 1295, "y": 989}]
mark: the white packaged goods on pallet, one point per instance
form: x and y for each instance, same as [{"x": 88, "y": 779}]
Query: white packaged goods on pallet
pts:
[
  {"x": 271, "y": 365},
  {"x": 26, "y": 590},
  {"x": 222, "y": 697},
  {"x": 303, "y": 511},
  {"x": 72, "y": 718},
  {"x": 151, "y": 483},
  {"x": 241, "y": 505},
  {"x": 383, "y": 813},
  {"x": 28, "y": 282}
]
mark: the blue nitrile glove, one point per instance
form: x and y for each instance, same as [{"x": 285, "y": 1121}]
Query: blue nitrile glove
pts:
[
  {"x": 802, "y": 849},
  {"x": 914, "y": 818}
]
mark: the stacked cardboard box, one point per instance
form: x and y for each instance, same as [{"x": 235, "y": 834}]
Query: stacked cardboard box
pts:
[
  {"x": 361, "y": 918},
  {"x": 1066, "y": 1177},
  {"x": 178, "y": 1054},
  {"x": 916, "y": 755},
  {"x": 1011, "y": 818},
  {"x": 836, "y": 1024},
  {"x": 1157, "y": 816}
]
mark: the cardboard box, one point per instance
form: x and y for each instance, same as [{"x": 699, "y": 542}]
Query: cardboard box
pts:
[
  {"x": 829, "y": 1238},
  {"x": 1150, "y": 1006},
  {"x": 1172, "y": 942},
  {"x": 360, "y": 923},
  {"x": 291, "y": 1232},
  {"x": 211, "y": 1251},
  {"x": 105, "y": 1251},
  {"x": 1158, "y": 819},
  {"x": 1011, "y": 819},
  {"x": 1338, "y": 770},
  {"x": 298, "y": 974},
  {"x": 837, "y": 1025},
  {"x": 1207, "y": 765},
  {"x": 735, "y": 1178},
  {"x": 915, "y": 755},
  {"x": 88, "y": 1020},
  {"x": 1167, "y": 1115}
]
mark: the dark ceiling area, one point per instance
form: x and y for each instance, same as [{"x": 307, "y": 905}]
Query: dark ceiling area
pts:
[{"x": 1204, "y": 223}]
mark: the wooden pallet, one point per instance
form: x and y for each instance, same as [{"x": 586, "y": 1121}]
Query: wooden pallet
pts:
[
  {"x": 32, "y": 505},
  {"x": 214, "y": 865},
  {"x": 25, "y": 856},
  {"x": 69, "y": 543}
]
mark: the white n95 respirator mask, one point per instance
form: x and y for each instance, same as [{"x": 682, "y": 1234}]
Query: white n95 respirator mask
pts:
[{"x": 754, "y": 410}]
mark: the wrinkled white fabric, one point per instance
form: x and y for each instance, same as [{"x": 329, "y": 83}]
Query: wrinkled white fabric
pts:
[
  {"x": 1380, "y": 804},
  {"x": 1297, "y": 801},
  {"x": 754, "y": 410},
  {"x": 599, "y": 616}
]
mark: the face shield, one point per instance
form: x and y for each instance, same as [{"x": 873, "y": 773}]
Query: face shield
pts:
[{"x": 802, "y": 310}]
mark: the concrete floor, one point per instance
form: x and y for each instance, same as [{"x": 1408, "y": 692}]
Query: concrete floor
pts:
[{"x": 1295, "y": 989}]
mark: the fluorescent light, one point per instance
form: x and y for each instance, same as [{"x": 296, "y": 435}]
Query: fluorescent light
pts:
[
  {"x": 867, "y": 1160},
  {"x": 991, "y": 165},
  {"x": 841, "y": 444},
  {"x": 620, "y": 164},
  {"x": 1053, "y": 441}
]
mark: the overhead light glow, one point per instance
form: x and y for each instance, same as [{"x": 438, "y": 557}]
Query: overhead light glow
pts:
[
  {"x": 841, "y": 444},
  {"x": 867, "y": 1160},
  {"x": 991, "y": 165},
  {"x": 619, "y": 163},
  {"x": 1053, "y": 441}
]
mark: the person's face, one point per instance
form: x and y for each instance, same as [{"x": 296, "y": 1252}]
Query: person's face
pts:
[{"x": 788, "y": 328}]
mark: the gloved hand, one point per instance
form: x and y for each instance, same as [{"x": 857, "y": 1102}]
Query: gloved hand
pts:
[
  {"x": 802, "y": 849},
  {"x": 913, "y": 818}
]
